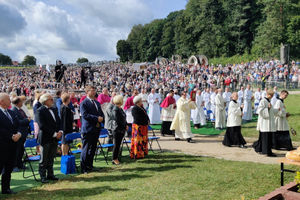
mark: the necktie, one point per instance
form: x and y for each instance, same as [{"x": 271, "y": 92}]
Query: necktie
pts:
[
  {"x": 95, "y": 104},
  {"x": 8, "y": 115},
  {"x": 22, "y": 113}
]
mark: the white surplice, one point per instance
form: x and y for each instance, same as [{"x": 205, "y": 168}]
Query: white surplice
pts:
[
  {"x": 220, "y": 111},
  {"x": 154, "y": 108},
  {"x": 198, "y": 115},
  {"x": 247, "y": 111}
]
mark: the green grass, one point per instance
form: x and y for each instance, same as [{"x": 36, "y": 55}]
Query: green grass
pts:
[
  {"x": 160, "y": 176},
  {"x": 292, "y": 104}
]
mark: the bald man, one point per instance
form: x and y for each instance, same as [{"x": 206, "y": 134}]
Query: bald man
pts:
[{"x": 9, "y": 137}]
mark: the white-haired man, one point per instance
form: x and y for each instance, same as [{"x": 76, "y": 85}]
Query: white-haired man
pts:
[{"x": 50, "y": 132}]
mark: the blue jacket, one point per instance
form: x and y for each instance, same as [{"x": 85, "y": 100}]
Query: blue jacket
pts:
[{"x": 90, "y": 116}]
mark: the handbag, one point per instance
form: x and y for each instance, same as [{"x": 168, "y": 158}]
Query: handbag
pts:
[{"x": 68, "y": 164}]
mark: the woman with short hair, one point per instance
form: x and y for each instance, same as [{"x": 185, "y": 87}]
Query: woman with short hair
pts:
[
  {"x": 119, "y": 127},
  {"x": 139, "y": 141},
  {"x": 67, "y": 121}
]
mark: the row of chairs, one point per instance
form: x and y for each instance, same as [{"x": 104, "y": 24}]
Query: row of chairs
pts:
[{"x": 30, "y": 144}]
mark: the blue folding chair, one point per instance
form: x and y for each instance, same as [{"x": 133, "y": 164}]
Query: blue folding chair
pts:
[
  {"x": 103, "y": 134},
  {"x": 30, "y": 143},
  {"x": 209, "y": 119},
  {"x": 152, "y": 138},
  {"x": 71, "y": 137}
]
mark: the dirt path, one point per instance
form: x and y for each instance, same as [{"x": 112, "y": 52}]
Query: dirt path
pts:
[{"x": 211, "y": 146}]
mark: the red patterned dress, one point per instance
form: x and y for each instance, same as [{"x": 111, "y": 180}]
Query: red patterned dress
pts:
[{"x": 139, "y": 141}]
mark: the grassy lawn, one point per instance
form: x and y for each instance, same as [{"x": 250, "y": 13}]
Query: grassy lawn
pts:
[
  {"x": 292, "y": 104},
  {"x": 160, "y": 176}
]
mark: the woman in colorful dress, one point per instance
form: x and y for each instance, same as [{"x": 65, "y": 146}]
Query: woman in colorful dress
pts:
[{"x": 139, "y": 140}]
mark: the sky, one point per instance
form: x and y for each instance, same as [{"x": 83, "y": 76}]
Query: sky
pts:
[{"x": 69, "y": 29}]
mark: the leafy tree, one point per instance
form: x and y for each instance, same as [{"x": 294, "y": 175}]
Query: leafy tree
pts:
[
  {"x": 29, "y": 60},
  {"x": 123, "y": 50},
  {"x": 293, "y": 34},
  {"x": 82, "y": 60},
  {"x": 5, "y": 60}
]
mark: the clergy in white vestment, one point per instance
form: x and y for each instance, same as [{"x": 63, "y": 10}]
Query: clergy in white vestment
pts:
[
  {"x": 247, "y": 111},
  {"x": 181, "y": 122},
  {"x": 265, "y": 125},
  {"x": 176, "y": 96},
  {"x": 213, "y": 103},
  {"x": 154, "y": 108},
  {"x": 282, "y": 139},
  {"x": 144, "y": 97},
  {"x": 227, "y": 96},
  {"x": 198, "y": 115},
  {"x": 257, "y": 98},
  {"x": 275, "y": 96},
  {"x": 206, "y": 98},
  {"x": 233, "y": 135},
  {"x": 167, "y": 113},
  {"x": 220, "y": 110},
  {"x": 241, "y": 96},
  {"x": 264, "y": 93}
]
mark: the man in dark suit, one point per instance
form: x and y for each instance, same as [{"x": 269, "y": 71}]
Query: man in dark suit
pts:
[
  {"x": 50, "y": 132},
  {"x": 92, "y": 116},
  {"x": 9, "y": 135},
  {"x": 23, "y": 129}
]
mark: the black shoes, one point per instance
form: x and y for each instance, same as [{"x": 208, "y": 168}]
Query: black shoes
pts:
[
  {"x": 9, "y": 191},
  {"x": 44, "y": 180},
  {"x": 189, "y": 140},
  {"x": 52, "y": 178},
  {"x": 271, "y": 155},
  {"x": 177, "y": 139}
]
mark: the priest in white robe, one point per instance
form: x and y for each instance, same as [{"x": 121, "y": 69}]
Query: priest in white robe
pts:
[
  {"x": 206, "y": 98},
  {"x": 213, "y": 103},
  {"x": 154, "y": 108},
  {"x": 265, "y": 126},
  {"x": 144, "y": 97},
  {"x": 227, "y": 97},
  {"x": 167, "y": 113},
  {"x": 257, "y": 98},
  {"x": 198, "y": 115},
  {"x": 247, "y": 111},
  {"x": 282, "y": 139},
  {"x": 220, "y": 110},
  {"x": 176, "y": 96},
  {"x": 181, "y": 122},
  {"x": 233, "y": 135},
  {"x": 241, "y": 96}
]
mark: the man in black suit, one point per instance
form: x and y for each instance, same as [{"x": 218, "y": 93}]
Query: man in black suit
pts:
[
  {"x": 92, "y": 116},
  {"x": 9, "y": 135},
  {"x": 23, "y": 129},
  {"x": 50, "y": 132}
]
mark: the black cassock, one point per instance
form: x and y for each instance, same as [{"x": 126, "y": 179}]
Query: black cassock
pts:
[{"x": 233, "y": 136}]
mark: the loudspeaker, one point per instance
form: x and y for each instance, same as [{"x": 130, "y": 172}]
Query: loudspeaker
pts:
[{"x": 284, "y": 54}]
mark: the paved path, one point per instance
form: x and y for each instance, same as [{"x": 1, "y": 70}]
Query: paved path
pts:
[{"x": 211, "y": 146}]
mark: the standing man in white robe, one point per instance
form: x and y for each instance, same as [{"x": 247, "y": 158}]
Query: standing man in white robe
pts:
[
  {"x": 181, "y": 122},
  {"x": 220, "y": 110},
  {"x": 248, "y": 97},
  {"x": 176, "y": 96},
  {"x": 198, "y": 114},
  {"x": 154, "y": 107},
  {"x": 144, "y": 97},
  {"x": 241, "y": 96},
  {"x": 257, "y": 98},
  {"x": 206, "y": 98},
  {"x": 213, "y": 103},
  {"x": 282, "y": 139},
  {"x": 264, "y": 93},
  {"x": 233, "y": 135},
  {"x": 265, "y": 126},
  {"x": 227, "y": 97}
]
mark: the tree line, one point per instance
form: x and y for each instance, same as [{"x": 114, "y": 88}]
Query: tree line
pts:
[{"x": 217, "y": 28}]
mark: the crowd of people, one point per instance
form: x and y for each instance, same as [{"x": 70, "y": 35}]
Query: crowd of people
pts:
[{"x": 124, "y": 101}]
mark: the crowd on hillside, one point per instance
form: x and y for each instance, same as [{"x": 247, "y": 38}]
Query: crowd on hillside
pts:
[{"x": 120, "y": 77}]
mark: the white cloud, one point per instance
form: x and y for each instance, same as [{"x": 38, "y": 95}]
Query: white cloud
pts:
[{"x": 67, "y": 30}]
